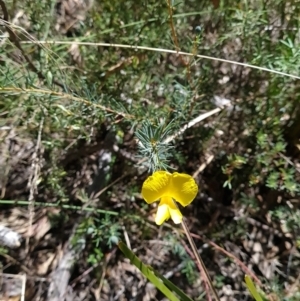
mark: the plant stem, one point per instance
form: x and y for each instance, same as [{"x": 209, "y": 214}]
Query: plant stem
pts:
[
  {"x": 41, "y": 204},
  {"x": 199, "y": 259}
]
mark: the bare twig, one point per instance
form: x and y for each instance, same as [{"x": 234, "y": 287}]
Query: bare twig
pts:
[
  {"x": 192, "y": 123},
  {"x": 173, "y": 31},
  {"x": 14, "y": 21},
  {"x": 238, "y": 261},
  {"x": 32, "y": 182},
  {"x": 199, "y": 260},
  {"x": 23, "y": 287},
  {"x": 203, "y": 166},
  {"x": 17, "y": 263},
  {"x": 206, "y": 285},
  {"x": 97, "y": 291}
]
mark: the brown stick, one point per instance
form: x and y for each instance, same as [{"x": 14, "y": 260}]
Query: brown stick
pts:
[
  {"x": 199, "y": 260},
  {"x": 238, "y": 261}
]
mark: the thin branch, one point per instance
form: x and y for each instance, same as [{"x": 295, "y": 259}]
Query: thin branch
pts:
[
  {"x": 192, "y": 123},
  {"x": 23, "y": 287},
  {"x": 191, "y": 254},
  {"x": 134, "y": 47},
  {"x": 203, "y": 165},
  {"x": 199, "y": 259},
  {"x": 174, "y": 34},
  {"x": 173, "y": 31},
  {"x": 14, "y": 21},
  {"x": 32, "y": 182},
  {"x": 238, "y": 261}
]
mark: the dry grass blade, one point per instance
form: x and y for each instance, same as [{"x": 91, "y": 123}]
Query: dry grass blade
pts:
[{"x": 162, "y": 50}]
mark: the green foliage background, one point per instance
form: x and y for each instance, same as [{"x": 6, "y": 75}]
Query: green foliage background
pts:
[{"x": 86, "y": 98}]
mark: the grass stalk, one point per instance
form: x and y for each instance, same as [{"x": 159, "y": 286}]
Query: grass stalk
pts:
[{"x": 199, "y": 260}]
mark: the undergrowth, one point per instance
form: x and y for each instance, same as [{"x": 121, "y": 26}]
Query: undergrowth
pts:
[{"x": 133, "y": 103}]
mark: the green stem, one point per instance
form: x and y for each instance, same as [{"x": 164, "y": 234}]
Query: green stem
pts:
[{"x": 87, "y": 209}]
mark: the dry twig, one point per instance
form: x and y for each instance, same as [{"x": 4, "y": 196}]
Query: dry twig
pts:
[{"x": 32, "y": 182}]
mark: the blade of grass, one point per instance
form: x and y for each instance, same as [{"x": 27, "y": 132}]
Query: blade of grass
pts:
[
  {"x": 252, "y": 289},
  {"x": 173, "y": 287},
  {"x": 163, "y": 50},
  {"x": 149, "y": 273}
]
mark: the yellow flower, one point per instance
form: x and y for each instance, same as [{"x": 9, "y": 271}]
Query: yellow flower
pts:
[{"x": 169, "y": 188}]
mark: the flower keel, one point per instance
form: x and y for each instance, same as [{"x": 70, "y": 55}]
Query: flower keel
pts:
[{"x": 166, "y": 209}]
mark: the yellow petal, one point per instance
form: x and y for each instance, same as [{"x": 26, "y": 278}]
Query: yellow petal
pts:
[
  {"x": 166, "y": 209},
  {"x": 182, "y": 188},
  {"x": 175, "y": 213},
  {"x": 156, "y": 186},
  {"x": 163, "y": 213}
]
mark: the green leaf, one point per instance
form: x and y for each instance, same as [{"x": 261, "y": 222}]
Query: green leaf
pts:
[
  {"x": 252, "y": 289},
  {"x": 154, "y": 277},
  {"x": 173, "y": 287}
]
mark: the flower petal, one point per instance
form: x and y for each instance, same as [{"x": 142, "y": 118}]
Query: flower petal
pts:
[
  {"x": 166, "y": 209},
  {"x": 175, "y": 213},
  {"x": 156, "y": 186},
  {"x": 182, "y": 188},
  {"x": 163, "y": 212}
]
